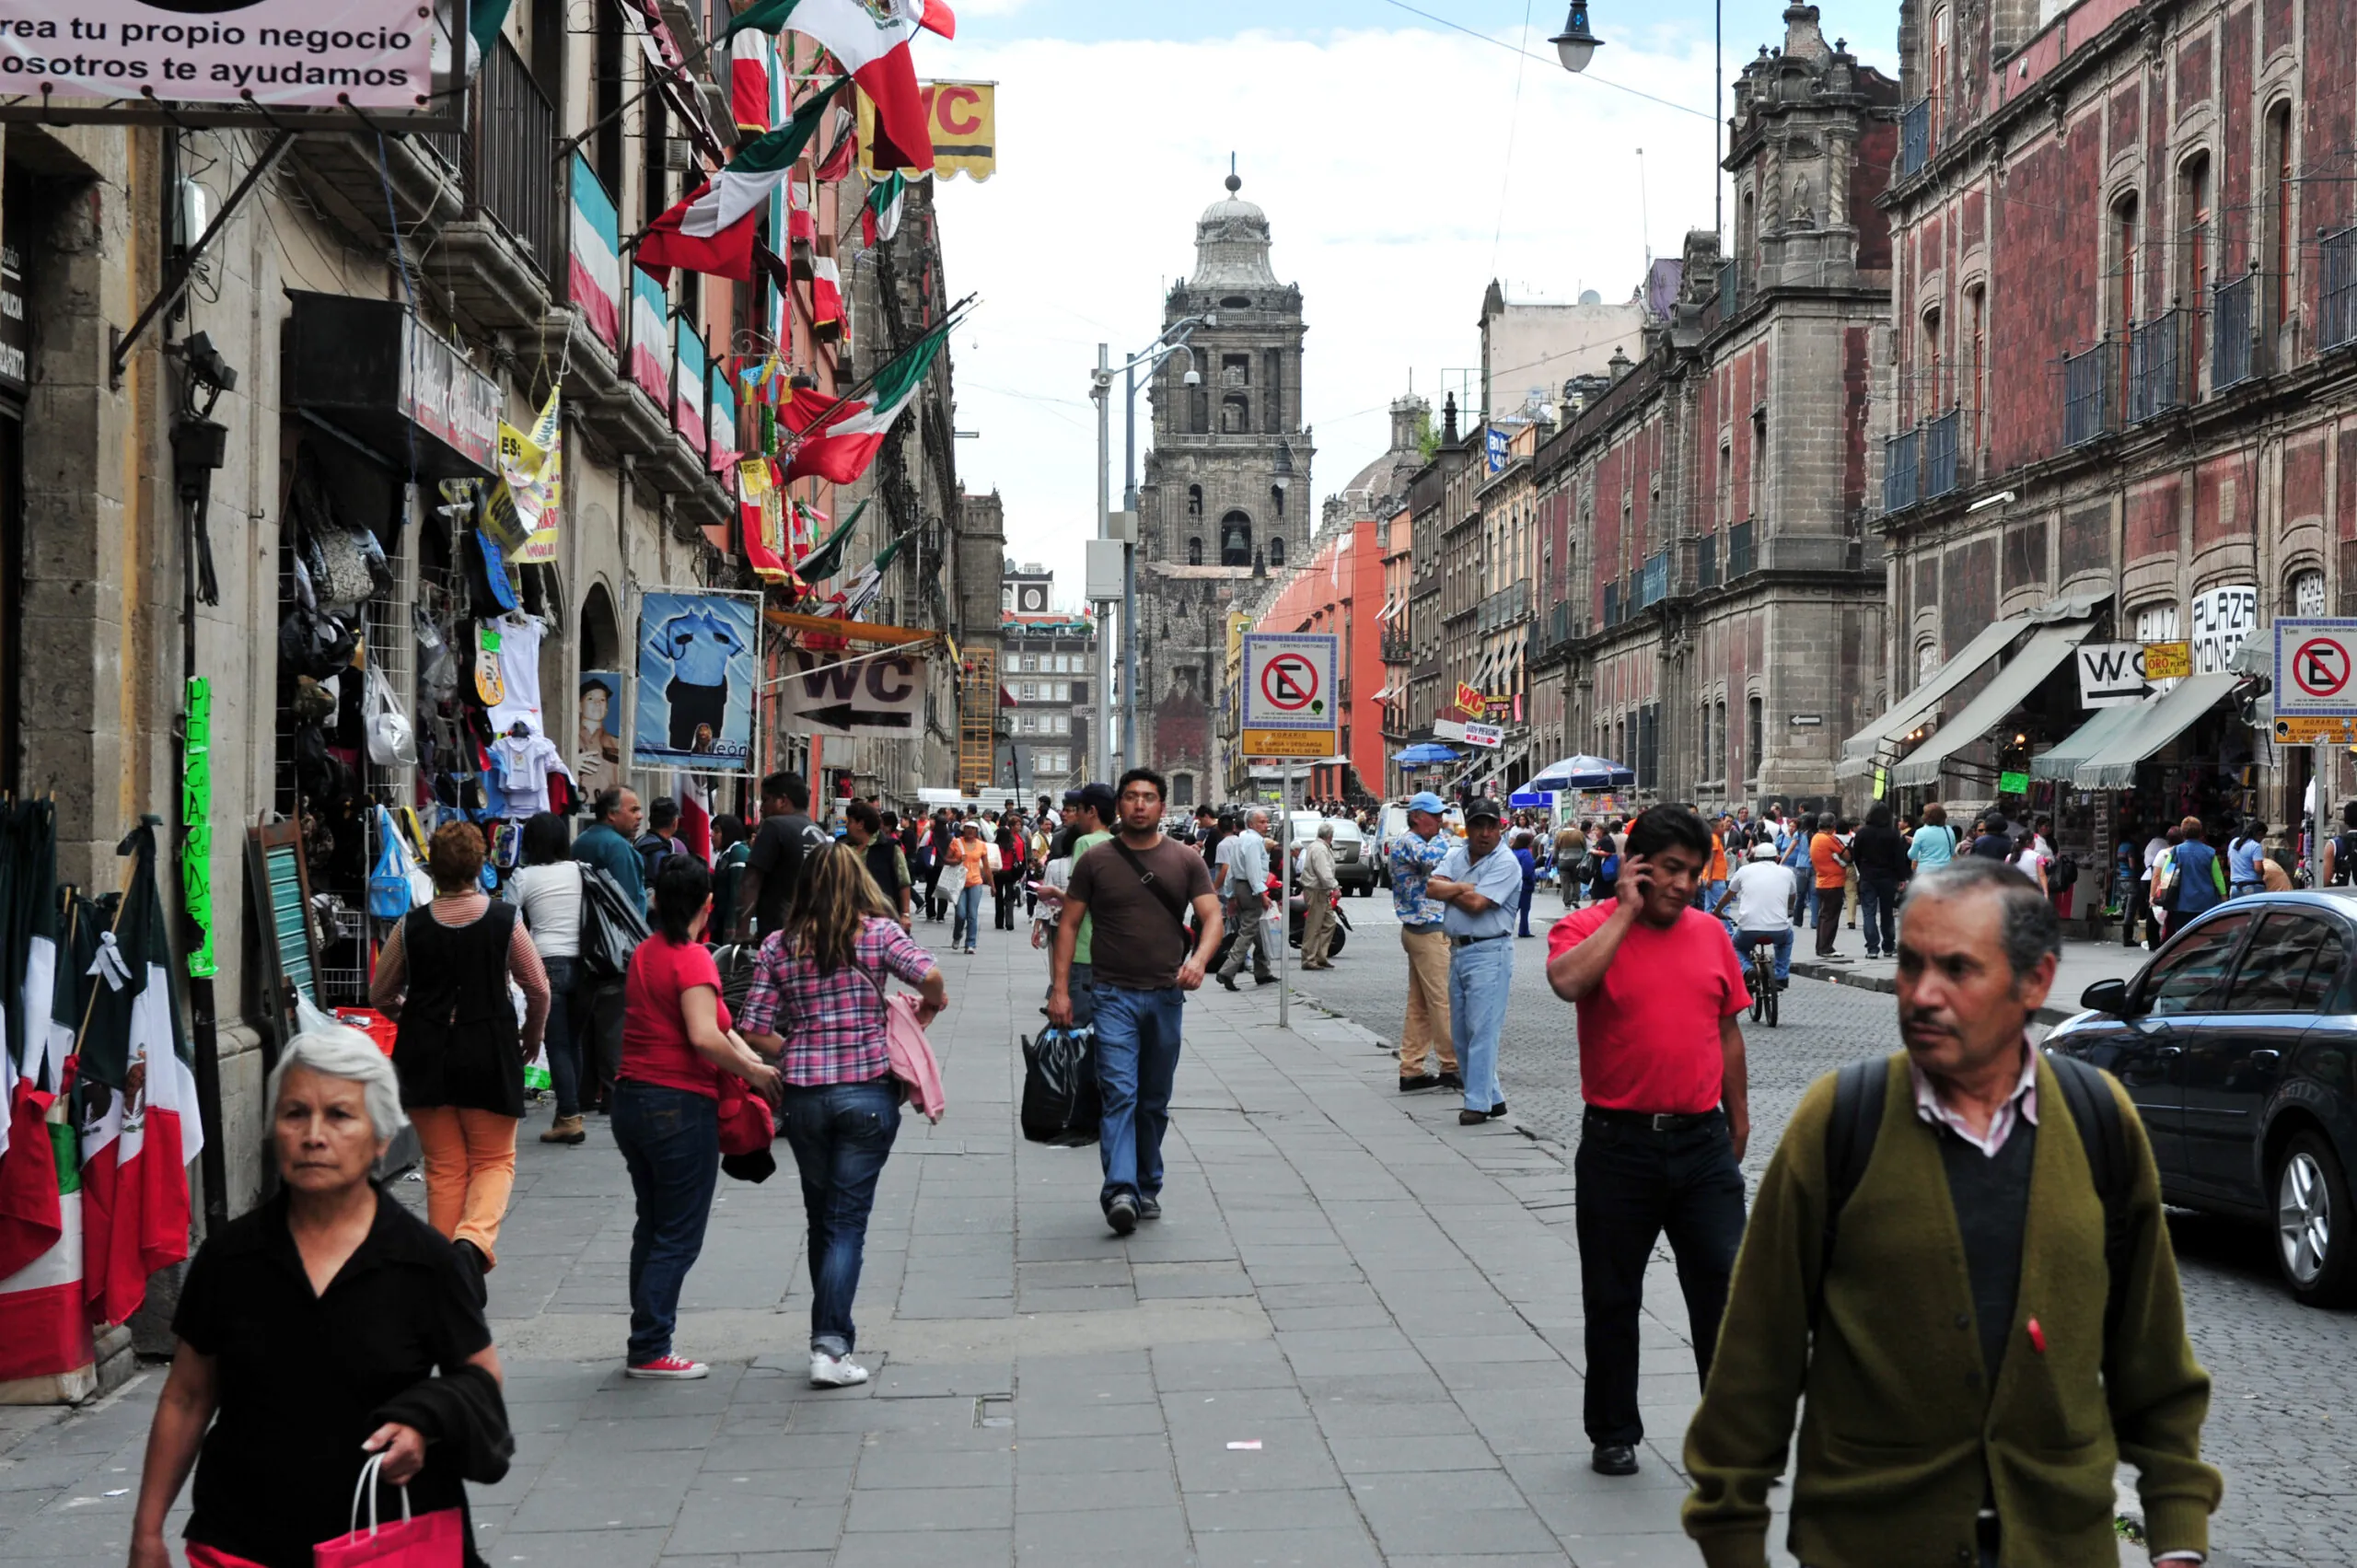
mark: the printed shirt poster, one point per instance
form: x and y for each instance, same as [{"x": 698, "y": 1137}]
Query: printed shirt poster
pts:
[
  {"x": 598, "y": 743},
  {"x": 695, "y": 681},
  {"x": 312, "y": 53}
]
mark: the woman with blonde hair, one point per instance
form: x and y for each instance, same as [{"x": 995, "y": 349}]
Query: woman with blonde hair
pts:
[
  {"x": 460, "y": 1055},
  {"x": 817, "y": 998}
]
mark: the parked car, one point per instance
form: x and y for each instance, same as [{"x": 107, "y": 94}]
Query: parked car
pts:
[
  {"x": 2239, "y": 1044},
  {"x": 1354, "y": 865}
]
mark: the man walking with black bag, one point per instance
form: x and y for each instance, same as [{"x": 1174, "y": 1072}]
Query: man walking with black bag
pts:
[{"x": 1135, "y": 892}]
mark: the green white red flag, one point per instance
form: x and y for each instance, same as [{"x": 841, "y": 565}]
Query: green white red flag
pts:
[
  {"x": 840, "y": 440},
  {"x": 870, "y": 38},
  {"x": 712, "y": 231}
]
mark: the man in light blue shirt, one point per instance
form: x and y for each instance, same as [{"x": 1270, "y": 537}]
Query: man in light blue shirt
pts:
[
  {"x": 1425, "y": 1033},
  {"x": 1479, "y": 886},
  {"x": 1244, "y": 863}
]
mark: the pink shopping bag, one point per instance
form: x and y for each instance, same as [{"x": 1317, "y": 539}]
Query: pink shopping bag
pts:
[{"x": 433, "y": 1540}]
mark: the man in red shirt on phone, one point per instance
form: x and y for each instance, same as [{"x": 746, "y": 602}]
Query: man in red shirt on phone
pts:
[{"x": 1658, "y": 988}]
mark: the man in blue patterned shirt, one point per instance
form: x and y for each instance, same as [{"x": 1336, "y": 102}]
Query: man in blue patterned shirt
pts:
[{"x": 1415, "y": 856}]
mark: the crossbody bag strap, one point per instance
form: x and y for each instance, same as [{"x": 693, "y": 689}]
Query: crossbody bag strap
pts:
[{"x": 1151, "y": 883}]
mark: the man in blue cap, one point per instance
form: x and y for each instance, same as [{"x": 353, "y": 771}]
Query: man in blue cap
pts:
[{"x": 1415, "y": 856}]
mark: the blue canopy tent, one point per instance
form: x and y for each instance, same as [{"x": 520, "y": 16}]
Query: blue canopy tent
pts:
[
  {"x": 1583, "y": 771},
  {"x": 1429, "y": 754}
]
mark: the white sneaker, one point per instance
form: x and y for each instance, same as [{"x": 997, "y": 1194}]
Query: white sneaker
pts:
[{"x": 834, "y": 1371}]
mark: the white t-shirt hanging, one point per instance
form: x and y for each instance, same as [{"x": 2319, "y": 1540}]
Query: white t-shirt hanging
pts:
[
  {"x": 519, "y": 672},
  {"x": 524, "y": 766}
]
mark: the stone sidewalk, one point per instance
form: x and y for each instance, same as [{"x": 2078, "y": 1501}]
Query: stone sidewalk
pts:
[{"x": 1354, "y": 1339}]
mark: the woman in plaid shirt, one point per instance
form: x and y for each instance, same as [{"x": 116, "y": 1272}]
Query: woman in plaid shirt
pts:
[{"x": 817, "y": 1006}]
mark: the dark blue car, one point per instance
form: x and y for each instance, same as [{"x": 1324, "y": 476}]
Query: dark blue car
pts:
[{"x": 2236, "y": 1043}]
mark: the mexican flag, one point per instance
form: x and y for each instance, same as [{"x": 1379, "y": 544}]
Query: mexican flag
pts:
[
  {"x": 137, "y": 1097},
  {"x": 841, "y": 440},
  {"x": 712, "y": 231},
  {"x": 43, "y": 1330},
  {"x": 870, "y": 38},
  {"x": 40, "y": 1017},
  {"x": 879, "y": 215},
  {"x": 826, "y": 296},
  {"x": 749, "y": 56},
  {"x": 866, "y": 587},
  {"x": 827, "y": 559}
]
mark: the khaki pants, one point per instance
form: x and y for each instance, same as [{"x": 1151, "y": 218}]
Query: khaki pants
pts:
[
  {"x": 469, "y": 1171},
  {"x": 1426, "y": 1028},
  {"x": 1316, "y": 929}
]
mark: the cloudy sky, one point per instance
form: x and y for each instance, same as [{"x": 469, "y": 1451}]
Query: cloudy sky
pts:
[{"x": 1403, "y": 163}]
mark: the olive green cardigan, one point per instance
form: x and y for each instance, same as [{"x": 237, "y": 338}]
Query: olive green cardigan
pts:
[{"x": 1900, "y": 1441}]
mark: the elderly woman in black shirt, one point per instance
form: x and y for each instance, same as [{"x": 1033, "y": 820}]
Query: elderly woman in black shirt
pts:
[{"x": 311, "y": 1331}]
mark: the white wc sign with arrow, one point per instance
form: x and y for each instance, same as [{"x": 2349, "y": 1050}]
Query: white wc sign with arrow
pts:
[{"x": 875, "y": 694}]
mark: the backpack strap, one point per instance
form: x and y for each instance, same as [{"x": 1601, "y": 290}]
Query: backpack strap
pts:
[
  {"x": 2095, "y": 1112},
  {"x": 1859, "y": 1090}
]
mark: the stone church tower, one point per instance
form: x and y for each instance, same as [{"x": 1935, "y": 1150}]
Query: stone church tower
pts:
[{"x": 1225, "y": 495}]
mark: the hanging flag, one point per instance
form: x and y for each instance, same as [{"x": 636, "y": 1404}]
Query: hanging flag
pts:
[
  {"x": 879, "y": 215},
  {"x": 532, "y": 472},
  {"x": 866, "y": 587},
  {"x": 761, "y": 519},
  {"x": 30, "y": 1221},
  {"x": 870, "y": 38},
  {"x": 840, "y": 441},
  {"x": 828, "y": 559},
  {"x": 837, "y": 163},
  {"x": 826, "y": 297},
  {"x": 43, "y": 1330},
  {"x": 695, "y": 814},
  {"x": 749, "y": 58},
  {"x": 712, "y": 231},
  {"x": 137, "y": 1095}
]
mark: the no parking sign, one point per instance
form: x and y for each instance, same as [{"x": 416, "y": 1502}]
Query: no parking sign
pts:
[{"x": 1289, "y": 694}]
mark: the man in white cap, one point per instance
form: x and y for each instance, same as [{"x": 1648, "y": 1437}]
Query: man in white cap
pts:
[
  {"x": 1755, "y": 908},
  {"x": 1415, "y": 856}
]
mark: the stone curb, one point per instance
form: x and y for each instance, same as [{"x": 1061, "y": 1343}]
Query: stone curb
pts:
[{"x": 1837, "y": 974}]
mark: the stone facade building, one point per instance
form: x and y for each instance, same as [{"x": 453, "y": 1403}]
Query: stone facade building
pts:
[
  {"x": 1712, "y": 614},
  {"x": 1047, "y": 663},
  {"x": 1226, "y": 484},
  {"x": 2121, "y": 401}
]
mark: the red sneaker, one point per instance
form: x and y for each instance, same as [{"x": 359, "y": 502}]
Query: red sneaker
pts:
[{"x": 677, "y": 1368}]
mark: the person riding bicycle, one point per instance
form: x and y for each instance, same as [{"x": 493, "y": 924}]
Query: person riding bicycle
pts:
[{"x": 1758, "y": 908}]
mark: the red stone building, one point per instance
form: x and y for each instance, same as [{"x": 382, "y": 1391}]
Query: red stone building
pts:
[{"x": 2125, "y": 277}]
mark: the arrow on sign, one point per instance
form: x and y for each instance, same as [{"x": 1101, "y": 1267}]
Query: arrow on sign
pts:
[{"x": 842, "y": 716}]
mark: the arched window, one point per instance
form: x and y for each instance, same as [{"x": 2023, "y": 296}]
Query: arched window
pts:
[
  {"x": 1277, "y": 499},
  {"x": 1194, "y": 500},
  {"x": 1234, "y": 415},
  {"x": 1276, "y": 550},
  {"x": 1235, "y": 539},
  {"x": 1195, "y": 550}
]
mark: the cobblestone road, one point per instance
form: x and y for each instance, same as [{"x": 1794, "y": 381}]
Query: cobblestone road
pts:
[{"x": 2285, "y": 1378}]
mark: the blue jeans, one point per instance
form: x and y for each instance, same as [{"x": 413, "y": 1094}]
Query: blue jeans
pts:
[
  {"x": 1781, "y": 938},
  {"x": 1137, "y": 1057},
  {"x": 1878, "y": 914},
  {"x": 1529, "y": 886},
  {"x": 969, "y": 914},
  {"x": 1479, "y": 976},
  {"x": 569, "y": 1013},
  {"x": 670, "y": 1140},
  {"x": 1809, "y": 892},
  {"x": 842, "y": 1135}
]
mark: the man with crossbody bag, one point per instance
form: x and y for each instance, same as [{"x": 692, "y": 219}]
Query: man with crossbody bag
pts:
[{"x": 1135, "y": 892}]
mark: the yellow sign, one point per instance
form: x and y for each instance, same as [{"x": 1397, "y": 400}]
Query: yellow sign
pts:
[
  {"x": 1313, "y": 743},
  {"x": 531, "y": 468},
  {"x": 2307, "y": 731},
  {"x": 1469, "y": 700},
  {"x": 2168, "y": 661},
  {"x": 964, "y": 120}
]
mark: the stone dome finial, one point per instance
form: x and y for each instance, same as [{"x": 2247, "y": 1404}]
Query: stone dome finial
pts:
[{"x": 1233, "y": 184}]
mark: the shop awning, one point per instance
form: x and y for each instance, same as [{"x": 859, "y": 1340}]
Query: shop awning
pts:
[
  {"x": 2088, "y": 741},
  {"x": 2158, "y": 720},
  {"x": 2038, "y": 658},
  {"x": 1859, "y": 751}
]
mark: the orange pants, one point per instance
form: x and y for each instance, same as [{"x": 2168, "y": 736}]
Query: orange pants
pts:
[{"x": 469, "y": 1171}]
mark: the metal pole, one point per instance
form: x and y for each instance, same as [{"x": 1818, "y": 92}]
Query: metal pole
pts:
[
  {"x": 1718, "y": 123},
  {"x": 1284, "y": 901},
  {"x": 1103, "y": 393},
  {"x": 1130, "y": 755}
]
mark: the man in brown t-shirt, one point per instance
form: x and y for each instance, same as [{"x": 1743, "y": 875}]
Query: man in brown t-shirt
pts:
[{"x": 1135, "y": 892}]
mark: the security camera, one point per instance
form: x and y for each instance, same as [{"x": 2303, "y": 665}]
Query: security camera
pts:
[{"x": 1192, "y": 378}]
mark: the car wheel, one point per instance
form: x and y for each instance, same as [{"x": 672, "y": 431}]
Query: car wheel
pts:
[{"x": 2316, "y": 1227}]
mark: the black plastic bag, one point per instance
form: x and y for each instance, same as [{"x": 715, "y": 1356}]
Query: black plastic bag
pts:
[{"x": 1060, "y": 1098}]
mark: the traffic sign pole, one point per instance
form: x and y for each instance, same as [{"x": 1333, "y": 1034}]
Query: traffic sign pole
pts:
[{"x": 1284, "y": 904}]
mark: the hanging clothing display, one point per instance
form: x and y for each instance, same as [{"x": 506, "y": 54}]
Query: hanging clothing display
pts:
[
  {"x": 518, "y": 652},
  {"x": 524, "y": 764}
]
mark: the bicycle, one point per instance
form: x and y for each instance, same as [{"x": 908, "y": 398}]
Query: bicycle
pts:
[{"x": 1761, "y": 978}]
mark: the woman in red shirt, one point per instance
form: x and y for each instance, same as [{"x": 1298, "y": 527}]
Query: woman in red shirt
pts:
[{"x": 675, "y": 1043}]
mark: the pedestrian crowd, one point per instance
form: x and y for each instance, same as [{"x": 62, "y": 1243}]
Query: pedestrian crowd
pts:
[{"x": 1954, "y": 1276}]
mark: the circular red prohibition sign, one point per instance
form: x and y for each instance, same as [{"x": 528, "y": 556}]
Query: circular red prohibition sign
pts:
[
  {"x": 1289, "y": 681},
  {"x": 2320, "y": 668}
]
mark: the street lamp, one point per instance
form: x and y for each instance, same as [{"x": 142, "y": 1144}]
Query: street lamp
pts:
[{"x": 1575, "y": 46}]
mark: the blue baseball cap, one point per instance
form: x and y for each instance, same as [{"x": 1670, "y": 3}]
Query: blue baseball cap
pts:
[{"x": 1428, "y": 801}]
